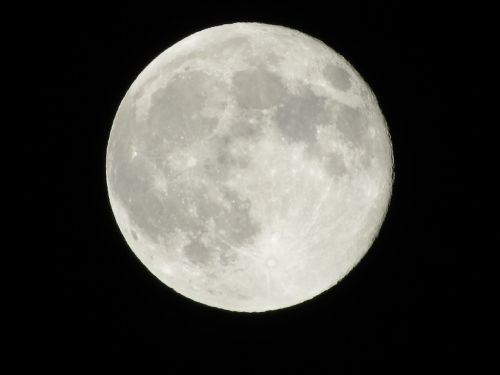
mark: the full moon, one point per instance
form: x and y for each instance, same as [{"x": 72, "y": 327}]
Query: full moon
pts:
[{"x": 249, "y": 167}]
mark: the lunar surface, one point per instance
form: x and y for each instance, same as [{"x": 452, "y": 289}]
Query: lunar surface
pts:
[{"x": 249, "y": 167}]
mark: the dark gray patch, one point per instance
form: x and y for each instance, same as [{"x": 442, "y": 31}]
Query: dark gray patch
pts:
[
  {"x": 158, "y": 215},
  {"x": 214, "y": 54},
  {"x": 298, "y": 115},
  {"x": 233, "y": 228},
  {"x": 226, "y": 160},
  {"x": 235, "y": 221},
  {"x": 153, "y": 214},
  {"x": 197, "y": 252},
  {"x": 129, "y": 178},
  {"x": 175, "y": 113},
  {"x": 228, "y": 257},
  {"x": 257, "y": 88},
  {"x": 218, "y": 167},
  {"x": 352, "y": 124},
  {"x": 240, "y": 227},
  {"x": 337, "y": 76},
  {"x": 335, "y": 165},
  {"x": 245, "y": 129},
  {"x": 214, "y": 170},
  {"x": 134, "y": 235},
  {"x": 132, "y": 182},
  {"x": 215, "y": 292}
]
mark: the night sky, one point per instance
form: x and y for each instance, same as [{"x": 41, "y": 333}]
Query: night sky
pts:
[{"x": 404, "y": 306}]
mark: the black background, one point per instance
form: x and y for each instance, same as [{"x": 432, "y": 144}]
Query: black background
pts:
[{"x": 403, "y": 307}]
